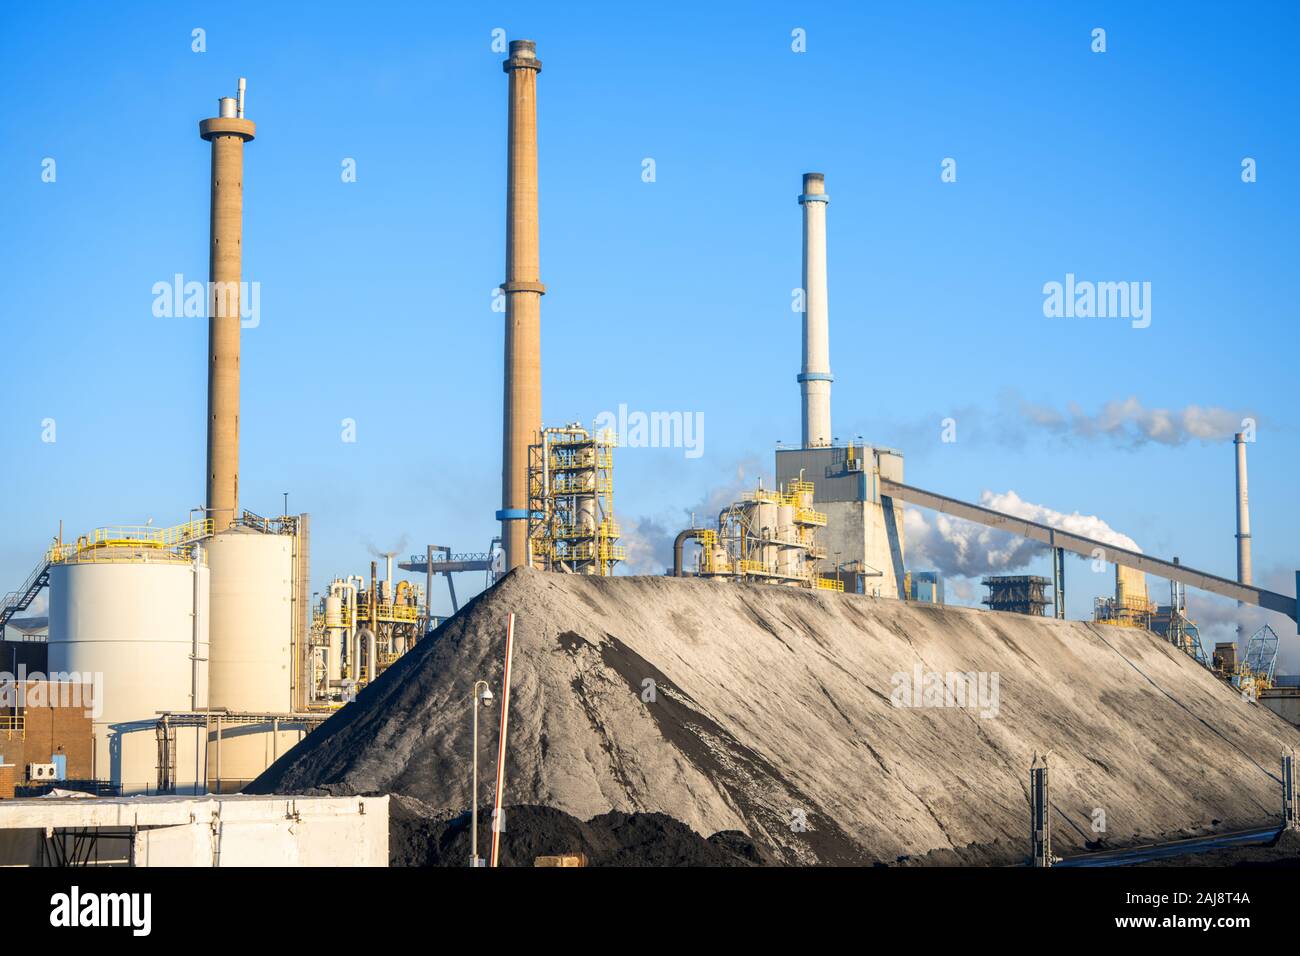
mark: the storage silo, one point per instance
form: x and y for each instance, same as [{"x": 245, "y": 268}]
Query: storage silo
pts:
[
  {"x": 251, "y": 658},
  {"x": 131, "y": 620},
  {"x": 252, "y": 621}
]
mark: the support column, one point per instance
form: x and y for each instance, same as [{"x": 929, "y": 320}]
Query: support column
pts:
[
  {"x": 1058, "y": 583},
  {"x": 523, "y": 290},
  {"x": 227, "y": 133}
]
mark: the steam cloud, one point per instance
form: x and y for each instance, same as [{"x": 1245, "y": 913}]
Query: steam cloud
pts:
[
  {"x": 1129, "y": 423},
  {"x": 649, "y": 541},
  {"x": 958, "y": 547}
]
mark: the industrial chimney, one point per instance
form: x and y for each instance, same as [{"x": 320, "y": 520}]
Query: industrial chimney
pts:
[
  {"x": 1243, "y": 512},
  {"x": 523, "y": 290},
  {"x": 815, "y": 378},
  {"x": 227, "y": 132}
]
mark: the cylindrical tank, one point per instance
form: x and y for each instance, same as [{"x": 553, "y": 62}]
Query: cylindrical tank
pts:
[
  {"x": 334, "y": 631},
  {"x": 762, "y": 524},
  {"x": 129, "y": 625},
  {"x": 251, "y": 621},
  {"x": 249, "y": 670}
]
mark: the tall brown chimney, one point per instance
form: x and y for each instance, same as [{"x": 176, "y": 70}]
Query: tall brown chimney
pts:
[
  {"x": 523, "y": 290},
  {"x": 227, "y": 132}
]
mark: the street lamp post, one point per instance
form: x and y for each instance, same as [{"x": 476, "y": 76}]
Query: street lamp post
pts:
[{"x": 482, "y": 695}]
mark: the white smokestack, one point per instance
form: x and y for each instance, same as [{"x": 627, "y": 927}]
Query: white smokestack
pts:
[
  {"x": 815, "y": 378},
  {"x": 1243, "y": 512}
]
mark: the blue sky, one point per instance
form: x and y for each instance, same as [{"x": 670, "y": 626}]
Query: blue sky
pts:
[{"x": 671, "y": 295}]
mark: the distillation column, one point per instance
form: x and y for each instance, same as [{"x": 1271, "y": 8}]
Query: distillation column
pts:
[
  {"x": 815, "y": 378},
  {"x": 227, "y": 132},
  {"x": 523, "y": 291}
]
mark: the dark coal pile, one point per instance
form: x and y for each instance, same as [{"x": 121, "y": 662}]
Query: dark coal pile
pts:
[
  {"x": 773, "y": 712},
  {"x": 419, "y": 836}
]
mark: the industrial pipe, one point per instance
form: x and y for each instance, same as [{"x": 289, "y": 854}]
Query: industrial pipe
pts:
[{"x": 679, "y": 543}]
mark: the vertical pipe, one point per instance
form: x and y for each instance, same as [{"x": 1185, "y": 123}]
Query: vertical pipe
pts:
[
  {"x": 227, "y": 133},
  {"x": 523, "y": 291},
  {"x": 428, "y": 588},
  {"x": 815, "y": 378},
  {"x": 501, "y": 740}
]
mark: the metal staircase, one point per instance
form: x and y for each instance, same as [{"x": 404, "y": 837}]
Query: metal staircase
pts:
[{"x": 18, "y": 601}]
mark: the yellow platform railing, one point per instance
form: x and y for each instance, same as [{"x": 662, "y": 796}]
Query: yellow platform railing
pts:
[{"x": 98, "y": 544}]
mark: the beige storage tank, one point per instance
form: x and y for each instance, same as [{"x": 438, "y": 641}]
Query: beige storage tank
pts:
[
  {"x": 334, "y": 632},
  {"x": 250, "y": 670},
  {"x": 129, "y": 621},
  {"x": 762, "y": 524},
  {"x": 252, "y": 621}
]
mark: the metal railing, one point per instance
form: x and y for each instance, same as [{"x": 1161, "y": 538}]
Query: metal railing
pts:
[{"x": 130, "y": 542}]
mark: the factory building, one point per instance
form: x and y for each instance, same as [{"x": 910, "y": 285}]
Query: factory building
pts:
[
  {"x": 925, "y": 587},
  {"x": 864, "y": 529},
  {"x": 768, "y": 537},
  {"x": 358, "y": 632},
  {"x": 46, "y": 736}
]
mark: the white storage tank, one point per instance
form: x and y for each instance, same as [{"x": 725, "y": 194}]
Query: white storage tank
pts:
[
  {"x": 128, "y": 619},
  {"x": 250, "y": 663}
]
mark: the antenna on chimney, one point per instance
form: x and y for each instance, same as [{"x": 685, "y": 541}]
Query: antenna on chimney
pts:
[{"x": 240, "y": 109}]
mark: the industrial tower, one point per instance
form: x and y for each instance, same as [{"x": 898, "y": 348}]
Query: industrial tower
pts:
[
  {"x": 227, "y": 132},
  {"x": 523, "y": 292},
  {"x": 815, "y": 377}
]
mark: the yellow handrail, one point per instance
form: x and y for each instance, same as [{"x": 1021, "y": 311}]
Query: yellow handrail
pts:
[{"x": 137, "y": 537}]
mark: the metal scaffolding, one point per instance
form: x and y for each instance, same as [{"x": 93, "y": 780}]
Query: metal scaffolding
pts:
[
  {"x": 1017, "y": 593},
  {"x": 571, "y": 525}
]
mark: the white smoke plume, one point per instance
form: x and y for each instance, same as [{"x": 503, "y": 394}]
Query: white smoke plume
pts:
[
  {"x": 649, "y": 540},
  {"x": 954, "y": 546},
  {"x": 1128, "y": 422},
  {"x": 649, "y": 545}
]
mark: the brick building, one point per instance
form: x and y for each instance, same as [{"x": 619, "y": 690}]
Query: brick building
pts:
[{"x": 44, "y": 722}]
